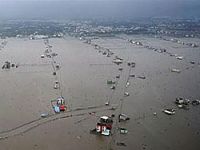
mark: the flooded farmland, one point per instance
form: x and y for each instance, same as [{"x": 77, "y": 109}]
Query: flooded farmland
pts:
[{"x": 142, "y": 92}]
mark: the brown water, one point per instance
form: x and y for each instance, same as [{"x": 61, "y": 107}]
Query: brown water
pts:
[{"x": 26, "y": 92}]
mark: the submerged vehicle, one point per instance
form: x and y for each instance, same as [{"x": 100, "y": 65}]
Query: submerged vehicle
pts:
[
  {"x": 56, "y": 85},
  {"x": 123, "y": 117},
  {"x": 169, "y": 111}
]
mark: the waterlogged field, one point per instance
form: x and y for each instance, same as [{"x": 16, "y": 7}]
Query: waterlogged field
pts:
[{"x": 27, "y": 90}]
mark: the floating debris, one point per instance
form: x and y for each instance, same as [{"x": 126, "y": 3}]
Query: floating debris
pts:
[{"x": 42, "y": 56}]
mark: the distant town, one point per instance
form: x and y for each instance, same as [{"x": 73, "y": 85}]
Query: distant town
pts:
[{"x": 37, "y": 29}]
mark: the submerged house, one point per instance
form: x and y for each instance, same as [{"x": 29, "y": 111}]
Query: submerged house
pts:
[{"x": 104, "y": 126}]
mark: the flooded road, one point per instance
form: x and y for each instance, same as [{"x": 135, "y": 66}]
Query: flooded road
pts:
[{"x": 26, "y": 92}]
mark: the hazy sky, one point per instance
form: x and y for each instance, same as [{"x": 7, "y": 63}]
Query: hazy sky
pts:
[{"x": 120, "y": 9}]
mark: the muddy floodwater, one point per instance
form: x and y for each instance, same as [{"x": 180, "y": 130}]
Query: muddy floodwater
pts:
[{"x": 27, "y": 90}]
